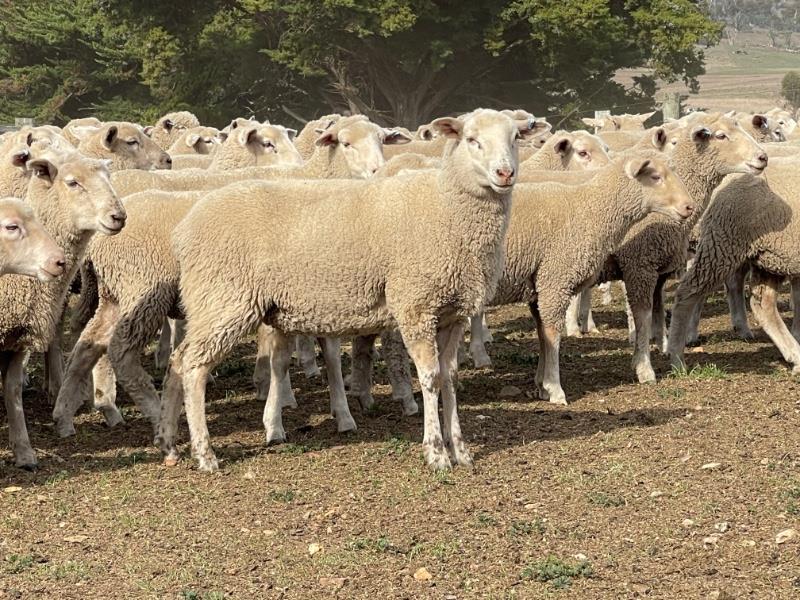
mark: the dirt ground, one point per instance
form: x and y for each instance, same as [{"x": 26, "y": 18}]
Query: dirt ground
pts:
[{"x": 611, "y": 497}]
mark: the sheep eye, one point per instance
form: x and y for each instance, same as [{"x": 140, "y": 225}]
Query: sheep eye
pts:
[
  {"x": 583, "y": 154},
  {"x": 132, "y": 142},
  {"x": 346, "y": 144},
  {"x": 72, "y": 183},
  {"x": 472, "y": 140},
  {"x": 12, "y": 227},
  {"x": 721, "y": 136},
  {"x": 655, "y": 177}
]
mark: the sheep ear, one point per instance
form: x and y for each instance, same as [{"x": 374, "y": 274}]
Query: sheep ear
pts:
[
  {"x": 20, "y": 158},
  {"x": 448, "y": 127},
  {"x": 148, "y": 131},
  {"x": 759, "y": 121},
  {"x": 636, "y": 166},
  {"x": 234, "y": 124},
  {"x": 392, "y": 136},
  {"x": 29, "y": 138},
  {"x": 110, "y": 136},
  {"x": 168, "y": 124},
  {"x": 660, "y": 138},
  {"x": 531, "y": 127},
  {"x": 246, "y": 135},
  {"x": 425, "y": 133},
  {"x": 563, "y": 146},
  {"x": 222, "y": 136},
  {"x": 44, "y": 170},
  {"x": 327, "y": 139},
  {"x": 191, "y": 140},
  {"x": 701, "y": 134},
  {"x": 291, "y": 133}
]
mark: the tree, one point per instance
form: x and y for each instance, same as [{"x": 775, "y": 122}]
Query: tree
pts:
[
  {"x": 398, "y": 61},
  {"x": 790, "y": 88}
]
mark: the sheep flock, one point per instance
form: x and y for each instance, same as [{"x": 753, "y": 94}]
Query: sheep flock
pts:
[{"x": 350, "y": 232}]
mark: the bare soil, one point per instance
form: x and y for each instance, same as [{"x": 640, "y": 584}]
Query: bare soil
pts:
[{"x": 612, "y": 488}]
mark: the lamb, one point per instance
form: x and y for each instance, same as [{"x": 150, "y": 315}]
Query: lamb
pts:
[
  {"x": 656, "y": 248},
  {"x": 139, "y": 285},
  {"x": 25, "y": 247},
  {"x": 126, "y": 145},
  {"x": 751, "y": 220},
  {"x": 624, "y": 122},
  {"x": 560, "y": 235},
  {"x": 195, "y": 140},
  {"x": 72, "y": 200},
  {"x": 394, "y": 276},
  {"x": 169, "y": 127}
]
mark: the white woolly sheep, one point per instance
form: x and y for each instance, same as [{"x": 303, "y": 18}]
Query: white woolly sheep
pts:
[
  {"x": 25, "y": 247},
  {"x": 169, "y": 127},
  {"x": 195, "y": 140},
  {"x": 126, "y": 145},
  {"x": 624, "y": 122}
]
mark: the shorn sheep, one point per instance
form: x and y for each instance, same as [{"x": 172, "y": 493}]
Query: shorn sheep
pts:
[
  {"x": 421, "y": 251},
  {"x": 72, "y": 200},
  {"x": 25, "y": 247}
]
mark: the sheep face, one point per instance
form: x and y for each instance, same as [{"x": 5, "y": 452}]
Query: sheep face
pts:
[
  {"x": 84, "y": 192},
  {"x": 170, "y": 127},
  {"x": 662, "y": 191},
  {"x": 580, "y": 150},
  {"x": 361, "y": 144},
  {"x": 270, "y": 144},
  {"x": 196, "y": 140},
  {"x": 781, "y": 123},
  {"x": 126, "y": 145},
  {"x": 25, "y": 247},
  {"x": 490, "y": 140},
  {"x": 734, "y": 150}
]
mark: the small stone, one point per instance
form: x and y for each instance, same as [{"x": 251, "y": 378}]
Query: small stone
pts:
[
  {"x": 711, "y": 541},
  {"x": 335, "y": 583},
  {"x": 422, "y": 574},
  {"x": 722, "y": 527},
  {"x": 697, "y": 350},
  {"x": 529, "y": 506},
  {"x": 269, "y": 532},
  {"x": 688, "y": 523},
  {"x": 307, "y": 515},
  {"x": 41, "y": 498},
  {"x": 314, "y": 548},
  {"x": 12, "y": 489},
  {"x": 249, "y": 475},
  {"x": 329, "y": 530},
  {"x": 748, "y": 543},
  {"x": 640, "y": 589},
  {"x": 580, "y": 556},
  {"x": 510, "y": 391},
  {"x": 75, "y": 539},
  {"x": 482, "y": 417},
  {"x": 712, "y": 466},
  {"x": 764, "y": 462},
  {"x": 719, "y": 595},
  {"x": 785, "y": 536},
  {"x": 656, "y": 494}
]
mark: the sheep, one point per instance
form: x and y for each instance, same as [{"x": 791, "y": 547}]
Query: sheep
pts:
[
  {"x": 126, "y": 145},
  {"x": 393, "y": 275},
  {"x": 169, "y": 127},
  {"x": 624, "y": 122},
  {"x": 76, "y": 129},
  {"x": 254, "y": 145},
  {"x": 559, "y": 236},
  {"x": 750, "y": 220},
  {"x": 360, "y": 152},
  {"x": 784, "y": 122},
  {"x": 433, "y": 148},
  {"x": 656, "y": 248},
  {"x": 402, "y": 163},
  {"x": 195, "y": 140},
  {"x": 758, "y": 126},
  {"x": 304, "y": 142},
  {"x": 25, "y": 247},
  {"x": 17, "y": 148},
  {"x": 72, "y": 200},
  {"x": 568, "y": 151},
  {"x": 142, "y": 312},
  {"x": 620, "y": 141},
  {"x": 191, "y": 161}
]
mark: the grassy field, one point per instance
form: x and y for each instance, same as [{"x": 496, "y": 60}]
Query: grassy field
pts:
[
  {"x": 671, "y": 490},
  {"x": 745, "y": 76}
]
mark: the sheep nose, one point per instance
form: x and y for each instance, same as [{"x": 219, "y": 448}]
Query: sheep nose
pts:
[
  {"x": 119, "y": 217},
  {"x": 56, "y": 263},
  {"x": 504, "y": 173},
  {"x": 763, "y": 158}
]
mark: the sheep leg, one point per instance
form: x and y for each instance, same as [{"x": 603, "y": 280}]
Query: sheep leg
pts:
[
  {"x": 361, "y": 374},
  {"x": 643, "y": 317},
  {"x": 631, "y": 320},
  {"x": 279, "y": 358},
  {"x": 480, "y": 357},
  {"x": 54, "y": 364},
  {"x": 487, "y": 333},
  {"x": 90, "y": 347},
  {"x": 548, "y": 367},
  {"x": 734, "y": 286},
  {"x": 683, "y": 308},
  {"x": 307, "y": 356},
  {"x": 607, "y": 298},
  {"x": 585, "y": 318},
  {"x": 764, "y": 302},
  {"x": 332, "y": 354},
  {"x": 540, "y": 391},
  {"x": 573, "y": 325},
  {"x": 171, "y": 401},
  {"x": 424, "y": 353},
  {"x": 795, "y": 297},
  {"x": 194, "y": 390},
  {"x": 161, "y": 356},
  {"x": 659, "y": 331},
  {"x": 448, "y": 341},
  {"x": 261, "y": 372},
  {"x": 396, "y": 359},
  {"x": 693, "y": 333},
  {"x": 105, "y": 392},
  {"x": 24, "y": 456}
]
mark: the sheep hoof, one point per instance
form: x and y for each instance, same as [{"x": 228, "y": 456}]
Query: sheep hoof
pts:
[
  {"x": 796, "y": 370},
  {"x": 207, "y": 463},
  {"x": 436, "y": 457},
  {"x": 111, "y": 415},
  {"x": 459, "y": 454},
  {"x": 170, "y": 461},
  {"x": 275, "y": 437},
  {"x": 289, "y": 402},
  {"x": 366, "y": 401},
  {"x": 744, "y": 333},
  {"x": 558, "y": 399},
  {"x": 572, "y": 331},
  {"x": 65, "y": 428},
  {"x": 542, "y": 393},
  {"x": 410, "y": 406},
  {"x": 311, "y": 371},
  {"x": 345, "y": 424},
  {"x": 482, "y": 361},
  {"x": 28, "y": 466},
  {"x": 645, "y": 375}
]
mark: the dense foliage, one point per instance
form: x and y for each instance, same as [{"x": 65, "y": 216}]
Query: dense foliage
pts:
[{"x": 399, "y": 61}]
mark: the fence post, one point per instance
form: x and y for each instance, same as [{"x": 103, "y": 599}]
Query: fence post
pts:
[{"x": 671, "y": 106}]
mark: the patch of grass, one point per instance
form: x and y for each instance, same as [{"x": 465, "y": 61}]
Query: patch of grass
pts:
[
  {"x": 71, "y": 570},
  {"x": 791, "y": 497},
  {"x": 486, "y": 520},
  {"x": 556, "y": 572},
  {"x": 57, "y": 478},
  {"x": 192, "y": 595},
  {"x": 281, "y": 495},
  {"x": 671, "y": 393},
  {"x": 397, "y": 445},
  {"x": 444, "y": 477},
  {"x": 604, "y": 500},
  {"x": 442, "y": 550},
  {"x": 293, "y": 449},
  {"x": 523, "y": 528},
  {"x": 382, "y": 544},
  {"x": 130, "y": 460},
  {"x": 17, "y": 563},
  {"x": 700, "y": 372}
]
